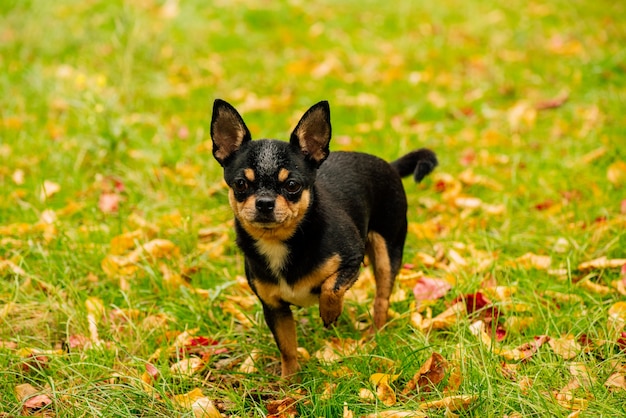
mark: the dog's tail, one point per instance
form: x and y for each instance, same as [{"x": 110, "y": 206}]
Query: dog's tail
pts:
[{"x": 420, "y": 163}]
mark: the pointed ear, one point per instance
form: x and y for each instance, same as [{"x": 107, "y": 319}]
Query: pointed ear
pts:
[
  {"x": 228, "y": 131},
  {"x": 312, "y": 134}
]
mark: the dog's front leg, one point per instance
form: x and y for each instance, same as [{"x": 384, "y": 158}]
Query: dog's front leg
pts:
[
  {"x": 331, "y": 297},
  {"x": 280, "y": 321}
]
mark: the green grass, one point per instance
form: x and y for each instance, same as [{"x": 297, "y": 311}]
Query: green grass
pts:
[{"x": 94, "y": 95}]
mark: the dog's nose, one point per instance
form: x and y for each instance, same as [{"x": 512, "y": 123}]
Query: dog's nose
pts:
[{"x": 265, "y": 204}]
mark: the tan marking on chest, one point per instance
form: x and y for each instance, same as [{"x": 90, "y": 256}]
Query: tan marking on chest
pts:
[
  {"x": 275, "y": 252},
  {"x": 299, "y": 294}
]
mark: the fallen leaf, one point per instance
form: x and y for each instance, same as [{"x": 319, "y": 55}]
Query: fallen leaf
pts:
[
  {"x": 336, "y": 349},
  {"x": 602, "y": 263},
  {"x": 249, "y": 364},
  {"x": 431, "y": 373},
  {"x": 109, "y": 202},
  {"x": 477, "y": 303},
  {"x": 282, "y": 408},
  {"x": 397, "y": 414},
  {"x": 593, "y": 287},
  {"x": 616, "y": 173},
  {"x": 366, "y": 394},
  {"x": 32, "y": 399},
  {"x": 566, "y": 346},
  {"x": 205, "y": 408},
  {"x": 385, "y": 394},
  {"x": 530, "y": 260},
  {"x": 346, "y": 412},
  {"x": 187, "y": 367},
  {"x": 525, "y": 351},
  {"x": 616, "y": 381},
  {"x": 554, "y": 103},
  {"x": 453, "y": 403},
  {"x": 186, "y": 400},
  {"x": 445, "y": 319},
  {"x": 617, "y": 316},
  {"x": 48, "y": 189},
  {"x": 428, "y": 288}
]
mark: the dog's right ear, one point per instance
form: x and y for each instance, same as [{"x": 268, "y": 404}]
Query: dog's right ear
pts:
[
  {"x": 228, "y": 131},
  {"x": 312, "y": 134}
]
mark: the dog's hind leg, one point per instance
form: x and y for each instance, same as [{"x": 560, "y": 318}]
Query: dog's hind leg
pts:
[{"x": 386, "y": 264}]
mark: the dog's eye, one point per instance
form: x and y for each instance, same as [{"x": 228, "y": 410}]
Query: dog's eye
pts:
[
  {"x": 240, "y": 185},
  {"x": 292, "y": 186}
]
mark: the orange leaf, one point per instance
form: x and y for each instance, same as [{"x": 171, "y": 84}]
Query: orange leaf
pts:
[{"x": 429, "y": 374}]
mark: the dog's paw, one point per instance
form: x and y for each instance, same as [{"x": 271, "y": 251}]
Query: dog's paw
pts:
[{"x": 329, "y": 312}]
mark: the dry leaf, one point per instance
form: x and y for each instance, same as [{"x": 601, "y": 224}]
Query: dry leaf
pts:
[
  {"x": 453, "y": 403},
  {"x": 602, "y": 263},
  {"x": 617, "y": 316},
  {"x": 593, "y": 287},
  {"x": 428, "y": 288},
  {"x": 366, "y": 394},
  {"x": 566, "y": 346},
  {"x": 282, "y": 408},
  {"x": 205, "y": 408},
  {"x": 187, "y": 367},
  {"x": 187, "y": 399},
  {"x": 397, "y": 414},
  {"x": 445, "y": 319},
  {"x": 336, "y": 349},
  {"x": 431, "y": 373},
  {"x": 386, "y": 394},
  {"x": 525, "y": 351},
  {"x": 616, "y": 173},
  {"x": 530, "y": 260},
  {"x": 249, "y": 364},
  {"x": 32, "y": 399},
  {"x": 616, "y": 381},
  {"x": 49, "y": 189}
]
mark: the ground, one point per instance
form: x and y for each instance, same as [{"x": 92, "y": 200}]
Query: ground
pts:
[{"x": 121, "y": 290}]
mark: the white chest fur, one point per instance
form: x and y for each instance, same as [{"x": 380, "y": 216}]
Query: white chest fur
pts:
[{"x": 276, "y": 254}]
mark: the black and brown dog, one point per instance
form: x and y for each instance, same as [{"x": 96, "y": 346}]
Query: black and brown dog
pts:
[{"x": 305, "y": 218}]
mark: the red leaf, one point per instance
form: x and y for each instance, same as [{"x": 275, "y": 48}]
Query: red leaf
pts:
[
  {"x": 427, "y": 288},
  {"x": 477, "y": 303},
  {"x": 547, "y": 204},
  {"x": 109, "y": 202},
  {"x": 621, "y": 341}
]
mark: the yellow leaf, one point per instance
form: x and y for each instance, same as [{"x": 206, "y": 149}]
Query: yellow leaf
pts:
[
  {"x": 453, "y": 403},
  {"x": 566, "y": 346},
  {"x": 478, "y": 330},
  {"x": 205, "y": 408},
  {"x": 617, "y": 316},
  {"x": 94, "y": 306},
  {"x": 385, "y": 394},
  {"x": 249, "y": 364},
  {"x": 187, "y": 399},
  {"x": 49, "y": 189},
  {"x": 187, "y": 367},
  {"x": 530, "y": 260},
  {"x": 447, "y": 318},
  {"x": 616, "y": 381},
  {"x": 366, "y": 394},
  {"x": 602, "y": 263},
  {"x": 380, "y": 378},
  {"x": 616, "y": 173},
  {"x": 592, "y": 287}
]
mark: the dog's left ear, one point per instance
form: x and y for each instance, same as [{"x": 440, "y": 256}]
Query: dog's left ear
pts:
[
  {"x": 228, "y": 131},
  {"x": 312, "y": 134}
]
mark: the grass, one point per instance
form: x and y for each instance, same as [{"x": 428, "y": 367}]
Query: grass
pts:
[{"x": 114, "y": 98}]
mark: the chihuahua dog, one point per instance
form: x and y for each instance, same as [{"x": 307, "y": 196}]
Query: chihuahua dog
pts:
[{"x": 305, "y": 218}]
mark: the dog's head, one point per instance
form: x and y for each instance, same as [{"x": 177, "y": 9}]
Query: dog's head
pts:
[{"x": 270, "y": 181}]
